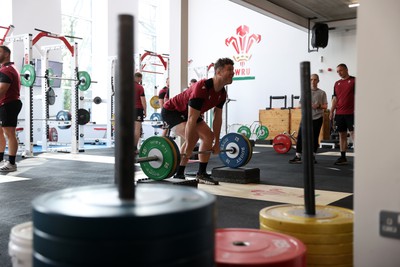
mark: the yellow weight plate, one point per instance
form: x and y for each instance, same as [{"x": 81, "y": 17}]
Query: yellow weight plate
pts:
[
  {"x": 292, "y": 218},
  {"x": 154, "y": 102},
  {"x": 326, "y": 260},
  {"x": 331, "y": 249},
  {"x": 176, "y": 155},
  {"x": 315, "y": 238}
]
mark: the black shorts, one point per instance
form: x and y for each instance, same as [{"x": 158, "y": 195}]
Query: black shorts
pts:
[
  {"x": 9, "y": 113},
  {"x": 344, "y": 123},
  {"x": 139, "y": 114},
  {"x": 172, "y": 118}
]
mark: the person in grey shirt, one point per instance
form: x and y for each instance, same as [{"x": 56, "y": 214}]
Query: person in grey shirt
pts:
[{"x": 319, "y": 104}]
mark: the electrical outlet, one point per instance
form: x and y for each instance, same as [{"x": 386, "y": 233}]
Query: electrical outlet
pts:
[{"x": 389, "y": 224}]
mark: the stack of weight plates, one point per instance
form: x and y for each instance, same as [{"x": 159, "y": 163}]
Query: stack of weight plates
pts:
[
  {"x": 328, "y": 235},
  {"x": 252, "y": 247},
  {"x": 90, "y": 226}
]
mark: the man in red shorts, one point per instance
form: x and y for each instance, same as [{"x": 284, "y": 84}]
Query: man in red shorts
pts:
[
  {"x": 10, "y": 106},
  {"x": 140, "y": 106},
  {"x": 343, "y": 109},
  {"x": 185, "y": 110}
]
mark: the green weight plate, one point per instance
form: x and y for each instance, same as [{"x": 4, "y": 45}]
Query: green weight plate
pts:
[
  {"x": 28, "y": 75},
  {"x": 85, "y": 80},
  {"x": 244, "y": 130},
  {"x": 160, "y": 147},
  {"x": 83, "y": 116},
  {"x": 262, "y": 132},
  {"x": 50, "y": 74}
]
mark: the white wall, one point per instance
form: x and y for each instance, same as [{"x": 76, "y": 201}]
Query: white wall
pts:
[
  {"x": 377, "y": 181},
  {"x": 275, "y": 61}
]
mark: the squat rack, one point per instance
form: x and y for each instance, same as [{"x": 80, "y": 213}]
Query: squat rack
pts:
[{"x": 77, "y": 136}]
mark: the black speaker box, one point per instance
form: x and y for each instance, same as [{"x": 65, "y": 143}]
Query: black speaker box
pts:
[{"x": 320, "y": 35}]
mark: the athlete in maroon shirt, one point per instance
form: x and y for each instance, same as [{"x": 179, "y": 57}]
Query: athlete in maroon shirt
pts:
[
  {"x": 163, "y": 96},
  {"x": 185, "y": 111},
  {"x": 10, "y": 106},
  {"x": 140, "y": 105},
  {"x": 343, "y": 109}
]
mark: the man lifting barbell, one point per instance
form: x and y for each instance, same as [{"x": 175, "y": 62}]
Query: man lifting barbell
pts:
[
  {"x": 10, "y": 106},
  {"x": 185, "y": 111}
]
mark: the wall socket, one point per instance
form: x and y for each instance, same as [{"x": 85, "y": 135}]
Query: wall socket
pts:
[{"x": 389, "y": 224}]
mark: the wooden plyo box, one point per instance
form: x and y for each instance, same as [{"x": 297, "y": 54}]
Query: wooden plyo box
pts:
[{"x": 276, "y": 120}]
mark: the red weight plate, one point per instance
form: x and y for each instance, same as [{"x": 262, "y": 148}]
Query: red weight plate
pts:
[
  {"x": 282, "y": 143},
  {"x": 253, "y": 247}
]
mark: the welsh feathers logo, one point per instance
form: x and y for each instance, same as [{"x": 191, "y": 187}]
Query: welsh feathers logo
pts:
[{"x": 242, "y": 43}]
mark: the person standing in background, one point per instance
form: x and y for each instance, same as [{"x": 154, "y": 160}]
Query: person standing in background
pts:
[
  {"x": 342, "y": 109},
  {"x": 163, "y": 96},
  {"x": 10, "y": 107},
  {"x": 141, "y": 106},
  {"x": 319, "y": 103}
]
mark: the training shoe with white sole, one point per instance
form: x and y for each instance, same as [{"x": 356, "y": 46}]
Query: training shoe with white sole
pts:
[
  {"x": 205, "y": 178},
  {"x": 179, "y": 176},
  {"x": 8, "y": 167}
]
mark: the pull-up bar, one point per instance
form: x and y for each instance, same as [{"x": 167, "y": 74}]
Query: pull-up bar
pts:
[{"x": 55, "y": 36}]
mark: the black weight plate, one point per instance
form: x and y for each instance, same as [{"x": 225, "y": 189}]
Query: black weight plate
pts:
[
  {"x": 80, "y": 251},
  {"x": 204, "y": 259},
  {"x": 101, "y": 211},
  {"x": 51, "y": 96},
  {"x": 83, "y": 116}
]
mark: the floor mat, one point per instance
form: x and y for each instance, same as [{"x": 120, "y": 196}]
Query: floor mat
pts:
[{"x": 281, "y": 194}]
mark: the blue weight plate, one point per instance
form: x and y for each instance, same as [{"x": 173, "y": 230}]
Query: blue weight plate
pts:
[
  {"x": 156, "y": 120},
  {"x": 96, "y": 212},
  {"x": 242, "y": 150}
]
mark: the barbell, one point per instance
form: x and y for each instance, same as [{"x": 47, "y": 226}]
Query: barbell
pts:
[
  {"x": 28, "y": 77},
  {"x": 159, "y": 156}
]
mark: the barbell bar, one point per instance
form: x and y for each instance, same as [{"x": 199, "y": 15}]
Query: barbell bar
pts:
[
  {"x": 28, "y": 77},
  {"x": 159, "y": 156}
]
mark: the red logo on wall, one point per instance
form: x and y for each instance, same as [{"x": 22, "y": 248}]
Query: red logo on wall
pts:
[{"x": 242, "y": 43}]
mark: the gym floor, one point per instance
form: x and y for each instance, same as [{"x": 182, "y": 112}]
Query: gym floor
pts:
[{"x": 238, "y": 205}]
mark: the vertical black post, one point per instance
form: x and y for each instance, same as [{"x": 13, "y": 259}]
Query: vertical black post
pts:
[
  {"x": 307, "y": 137},
  {"x": 124, "y": 111}
]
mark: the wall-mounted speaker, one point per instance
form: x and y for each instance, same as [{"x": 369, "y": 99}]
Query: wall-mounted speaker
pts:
[{"x": 320, "y": 35}]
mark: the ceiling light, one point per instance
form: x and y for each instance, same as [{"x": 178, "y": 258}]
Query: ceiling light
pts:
[{"x": 354, "y": 5}]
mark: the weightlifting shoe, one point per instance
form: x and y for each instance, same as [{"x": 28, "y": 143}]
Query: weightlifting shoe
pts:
[
  {"x": 179, "y": 176},
  {"x": 341, "y": 161},
  {"x": 295, "y": 160},
  {"x": 8, "y": 167},
  {"x": 205, "y": 178}
]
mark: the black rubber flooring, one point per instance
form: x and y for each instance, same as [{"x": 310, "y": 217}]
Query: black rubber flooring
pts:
[{"x": 47, "y": 175}]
